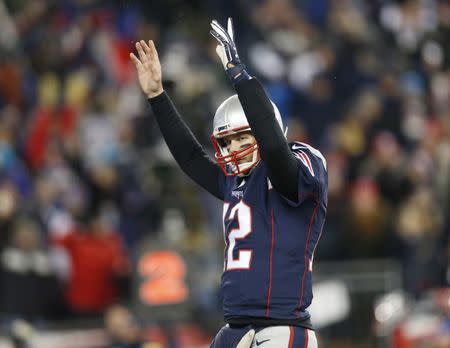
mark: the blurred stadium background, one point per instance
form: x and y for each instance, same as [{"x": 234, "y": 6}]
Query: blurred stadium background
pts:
[{"x": 104, "y": 242}]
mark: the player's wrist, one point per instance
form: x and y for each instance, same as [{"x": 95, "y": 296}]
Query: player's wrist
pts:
[
  {"x": 237, "y": 73},
  {"x": 154, "y": 94}
]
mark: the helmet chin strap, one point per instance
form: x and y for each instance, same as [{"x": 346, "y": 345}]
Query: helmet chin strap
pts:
[{"x": 245, "y": 169}]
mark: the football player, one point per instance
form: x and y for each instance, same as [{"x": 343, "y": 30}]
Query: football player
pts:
[{"x": 275, "y": 201}]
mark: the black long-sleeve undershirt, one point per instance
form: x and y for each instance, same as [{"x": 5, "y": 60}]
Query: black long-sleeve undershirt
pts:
[
  {"x": 281, "y": 164},
  {"x": 185, "y": 148}
]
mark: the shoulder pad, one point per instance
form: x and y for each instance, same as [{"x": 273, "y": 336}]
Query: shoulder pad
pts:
[{"x": 303, "y": 151}]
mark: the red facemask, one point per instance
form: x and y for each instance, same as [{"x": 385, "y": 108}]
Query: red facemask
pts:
[{"x": 229, "y": 162}]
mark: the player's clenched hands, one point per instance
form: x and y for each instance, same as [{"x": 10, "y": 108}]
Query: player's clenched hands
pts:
[{"x": 148, "y": 68}]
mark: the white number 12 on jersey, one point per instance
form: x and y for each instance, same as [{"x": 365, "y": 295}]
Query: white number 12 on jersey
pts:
[{"x": 243, "y": 214}]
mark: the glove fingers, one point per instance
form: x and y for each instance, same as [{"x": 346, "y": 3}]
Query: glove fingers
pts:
[
  {"x": 217, "y": 36},
  {"x": 230, "y": 28},
  {"x": 220, "y": 31},
  {"x": 227, "y": 50},
  {"x": 223, "y": 43}
]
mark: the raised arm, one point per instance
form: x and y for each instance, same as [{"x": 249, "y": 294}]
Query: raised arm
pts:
[
  {"x": 281, "y": 163},
  {"x": 183, "y": 145}
]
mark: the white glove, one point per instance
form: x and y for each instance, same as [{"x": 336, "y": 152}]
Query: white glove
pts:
[
  {"x": 227, "y": 51},
  {"x": 247, "y": 340},
  {"x": 226, "y": 48}
]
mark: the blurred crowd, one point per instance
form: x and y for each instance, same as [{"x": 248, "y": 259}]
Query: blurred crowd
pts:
[{"x": 85, "y": 177}]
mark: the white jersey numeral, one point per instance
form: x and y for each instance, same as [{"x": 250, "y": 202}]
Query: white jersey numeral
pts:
[{"x": 243, "y": 214}]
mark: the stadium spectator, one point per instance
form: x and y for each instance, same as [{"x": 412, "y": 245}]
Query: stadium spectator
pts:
[
  {"x": 99, "y": 266},
  {"x": 29, "y": 286},
  {"x": 124, "y": 330}
]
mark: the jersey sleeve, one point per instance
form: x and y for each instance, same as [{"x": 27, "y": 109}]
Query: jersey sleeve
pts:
[{"x": 312, "y": 172}]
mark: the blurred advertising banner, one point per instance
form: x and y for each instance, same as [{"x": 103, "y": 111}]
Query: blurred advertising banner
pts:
[
  {"x": 161, "y": 284},
  {"x": 162, "y": 278}
]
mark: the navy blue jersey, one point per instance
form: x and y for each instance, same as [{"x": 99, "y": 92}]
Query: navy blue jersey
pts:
[{"x": 270, "y": 240}]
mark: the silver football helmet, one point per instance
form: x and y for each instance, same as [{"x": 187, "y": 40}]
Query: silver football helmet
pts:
[{"x": 230, "y": 119}]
